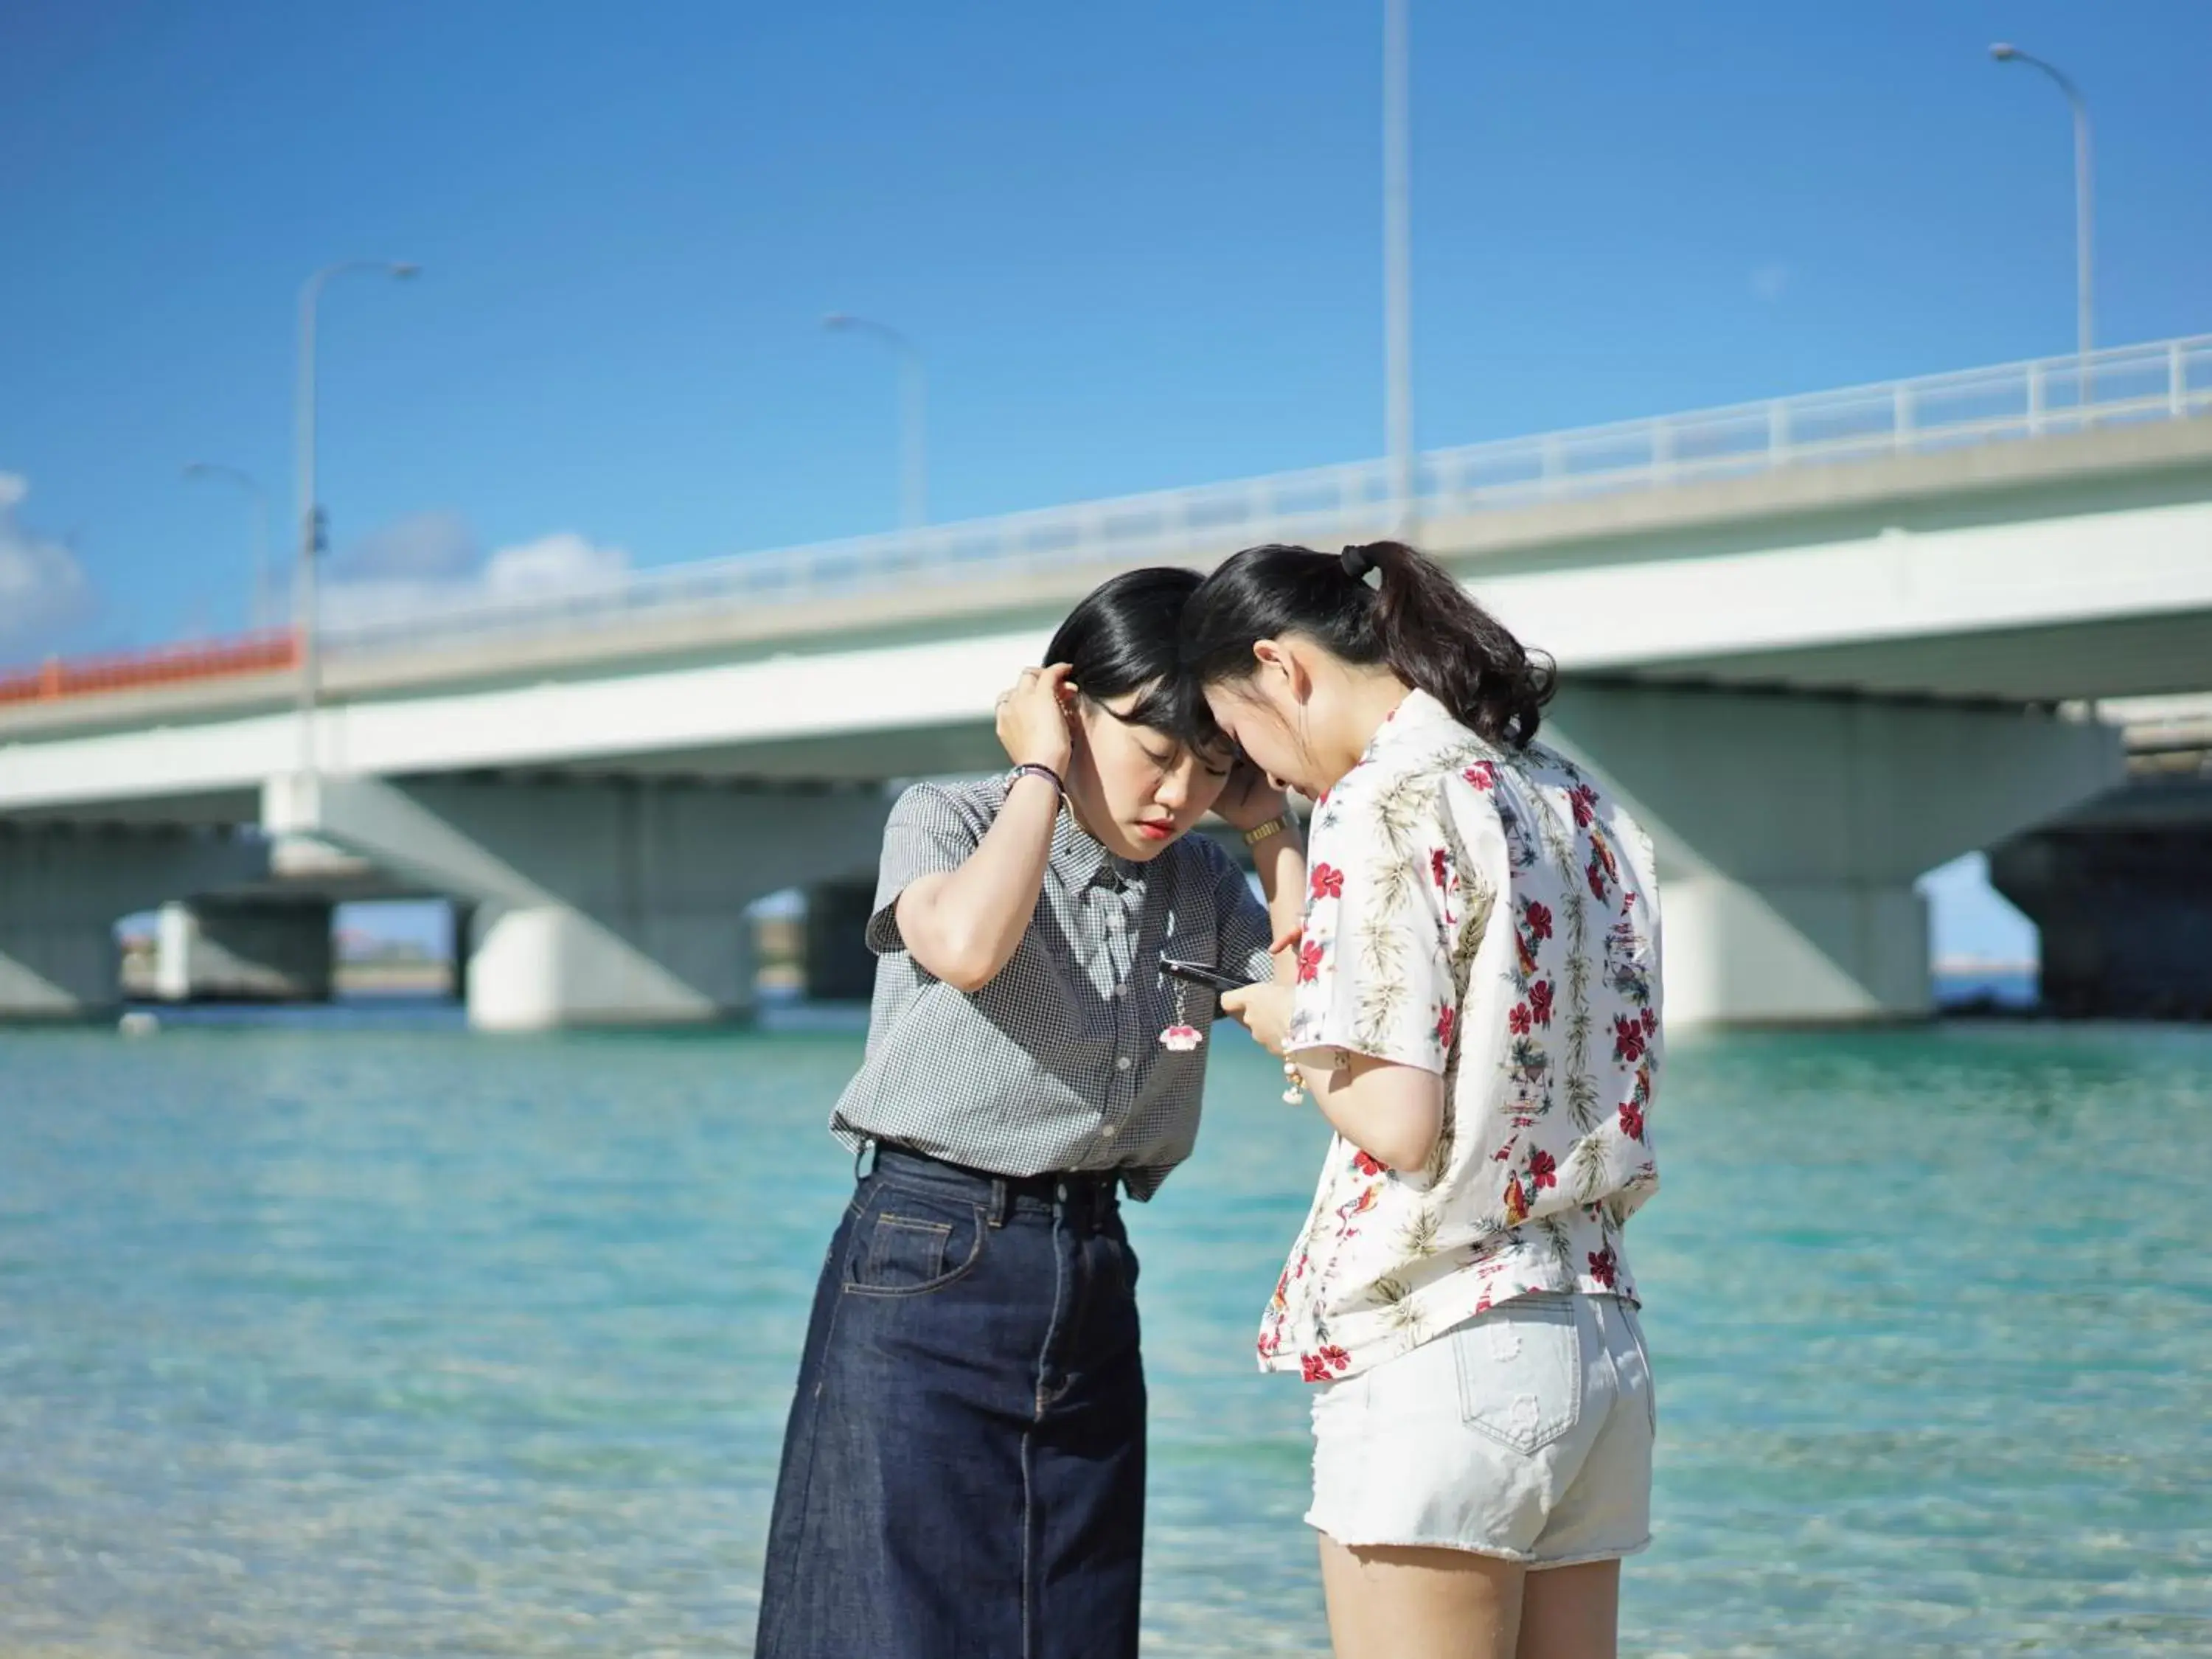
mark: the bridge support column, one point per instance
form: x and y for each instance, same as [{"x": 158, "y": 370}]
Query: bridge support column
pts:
[
  {"x": 1791, "y": 828},
  {"x": 840, "y": 967},
  {"x": 2122, "y": 894},
  {"x": 597, "y": 901},
  {"x": 244, "y": 951},
  {"x": 63, "y": 887}
]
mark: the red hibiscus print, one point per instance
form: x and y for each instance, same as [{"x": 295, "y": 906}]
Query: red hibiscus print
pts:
[
  {"x": 1583, "y": 800},
  {"x": 1649, "y": 1021},
  {"x": 1540, "y": 1001},
  {"x": 1631, "y": 1119},
  {"x": 1368, "y": 1166},
  {"x": 1313, "y": 1369},
  {"x": 1327, "y": 882},
  {"x": 1543, "y": 1170},
  {"x": 1482, "y": 775},
  {"x": 1595, "y": 874},
  {"x": 1538, "y": 918},
  {"x": 1440, "y": 868},
  {"x": 1518, "y": 1019},
  {"x": 1310, "y": 956},
  {"x": 1628, "y": 1038},
  {"x": 1446, "y": 1017},
  {"x": 1335, "y": 1358},
  {"x": 1603, "y": 1267}
]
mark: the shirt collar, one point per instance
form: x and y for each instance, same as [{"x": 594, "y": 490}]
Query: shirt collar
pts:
[
  {"x": 1080, "y": 857},
  {"x": 1412, "y": 723},
  {"x": 1083, "y": 858}
]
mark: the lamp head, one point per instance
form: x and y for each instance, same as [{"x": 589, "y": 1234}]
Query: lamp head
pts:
[
  {"x": 401, "y": 270},
  {"x": 2004, "y": 51}
]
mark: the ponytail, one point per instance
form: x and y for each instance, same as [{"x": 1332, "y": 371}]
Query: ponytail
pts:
[{"x": 1416, "y": 620}]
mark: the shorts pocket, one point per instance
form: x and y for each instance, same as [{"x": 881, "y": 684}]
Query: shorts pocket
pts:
[
  {"x": 1520, "y": 1370},
  {"x": 915, "y": 1245}
]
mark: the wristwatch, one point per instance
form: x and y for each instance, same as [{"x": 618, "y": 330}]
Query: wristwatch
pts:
[{"x": 1274, "y": 826}]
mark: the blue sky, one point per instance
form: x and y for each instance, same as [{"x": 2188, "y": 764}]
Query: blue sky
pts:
[{"x": 1139, "y": 245}]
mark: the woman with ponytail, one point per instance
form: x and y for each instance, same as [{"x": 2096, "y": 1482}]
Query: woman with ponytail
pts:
[{"x": 1476, "y": 1013}]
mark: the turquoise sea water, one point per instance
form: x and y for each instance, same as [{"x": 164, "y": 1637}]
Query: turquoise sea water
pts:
[{"x": 393, "y": 1341}]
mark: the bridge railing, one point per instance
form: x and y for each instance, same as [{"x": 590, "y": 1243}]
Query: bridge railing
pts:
[
  {"x": 2166, "y": 381},
  {"x": 170, "y": 665}
]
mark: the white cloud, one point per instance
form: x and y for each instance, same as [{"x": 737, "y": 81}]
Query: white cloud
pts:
[
  {"x": 1769, "y": 282},
  {"x": 429, "y": 563},
  {"x": 561, "y": 563},
  {"x": 44, "y": 591}
]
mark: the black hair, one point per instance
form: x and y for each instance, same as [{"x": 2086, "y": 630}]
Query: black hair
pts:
[
  {"x": 1419, "y": 622},
  {"x": 1121, "y": 637}
]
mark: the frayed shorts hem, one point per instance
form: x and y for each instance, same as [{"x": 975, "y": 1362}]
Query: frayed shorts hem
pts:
[{"x": 1519, "y": 1558}]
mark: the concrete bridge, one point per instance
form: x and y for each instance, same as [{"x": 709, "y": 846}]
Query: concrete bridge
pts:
[{"x": 1824, "y": 644}]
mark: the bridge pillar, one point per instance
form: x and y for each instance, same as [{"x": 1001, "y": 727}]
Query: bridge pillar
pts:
[
  {"x": 63, "y": 887},
  {"x": 1791, "y": 828},
  {"x": 596, "y": 901},
  {"x": 840, "y": 967},
  {"x": 244, "y": 949},
  {"x": 2122, "y": 894}
]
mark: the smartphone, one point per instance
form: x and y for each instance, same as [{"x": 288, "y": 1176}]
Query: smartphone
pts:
[{"x": 1199, "y": 973}]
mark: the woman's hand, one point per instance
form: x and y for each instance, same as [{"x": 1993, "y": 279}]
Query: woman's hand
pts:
[
  {"x": 1035, "y": 715},
  {"x": 1248, "y": 799},
  {"x": 1264, "y": 1010}
]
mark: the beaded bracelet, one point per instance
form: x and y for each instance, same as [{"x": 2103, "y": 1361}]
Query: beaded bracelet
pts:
[{"x": 1037, "y": 770}]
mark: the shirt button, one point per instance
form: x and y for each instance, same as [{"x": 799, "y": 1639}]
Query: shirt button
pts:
[
  {"x": 1122, "y": 1064},
  {"x": 1108, "y": 1131}
]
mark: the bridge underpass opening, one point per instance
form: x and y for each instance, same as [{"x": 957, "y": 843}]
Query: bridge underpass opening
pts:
[{"x": 1792, "y": 831}]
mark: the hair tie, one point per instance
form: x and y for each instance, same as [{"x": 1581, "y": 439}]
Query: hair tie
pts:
[{"x": 1356, "y": 562}]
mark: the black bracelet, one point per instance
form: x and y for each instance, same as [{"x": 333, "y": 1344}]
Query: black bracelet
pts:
[{"x": 1037, "y": 770}]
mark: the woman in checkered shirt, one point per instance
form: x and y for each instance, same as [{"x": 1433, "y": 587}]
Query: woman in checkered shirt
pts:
[{"x": 964, "y": 1472}]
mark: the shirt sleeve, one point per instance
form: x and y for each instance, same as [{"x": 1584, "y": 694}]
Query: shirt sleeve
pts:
[
  {"x": 927, "y": 833},
  {"x": 1246, "y": 928},
  {"x": 1375, "y": 973}
]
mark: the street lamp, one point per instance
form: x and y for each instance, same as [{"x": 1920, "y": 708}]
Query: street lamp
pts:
[
  {"x": 260, "y": 503},
  {"x": 312, "y": 526},
  {"x": 1398, "y": 263},
  {"x": 2084, "y": 311},
  {"x": 913, "y": 399}
]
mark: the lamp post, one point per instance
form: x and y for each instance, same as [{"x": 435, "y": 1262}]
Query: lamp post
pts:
[
  {"x": 258, "y": 616},
  {"x": 913, "y": 402},
  {"x": 2084, "y": 309},
  {"x": 312, "y": 526},
  {"x": 1398, "y": 265}
]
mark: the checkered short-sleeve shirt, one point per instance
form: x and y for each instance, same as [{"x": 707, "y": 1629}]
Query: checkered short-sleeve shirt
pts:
[{"x": 1056, "y": 1064}]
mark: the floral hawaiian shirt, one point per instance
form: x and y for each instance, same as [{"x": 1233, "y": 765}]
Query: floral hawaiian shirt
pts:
[{"x": 1491, "y": 915}]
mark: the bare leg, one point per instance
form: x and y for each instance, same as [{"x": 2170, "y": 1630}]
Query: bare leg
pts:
[
  {"x": 1571, "y": 1613},
  {"x": 1392, "y": 1603}
]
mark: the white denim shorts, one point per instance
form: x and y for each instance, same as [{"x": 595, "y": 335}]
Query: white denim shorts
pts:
[{"x": 1525, "y": 1433}]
